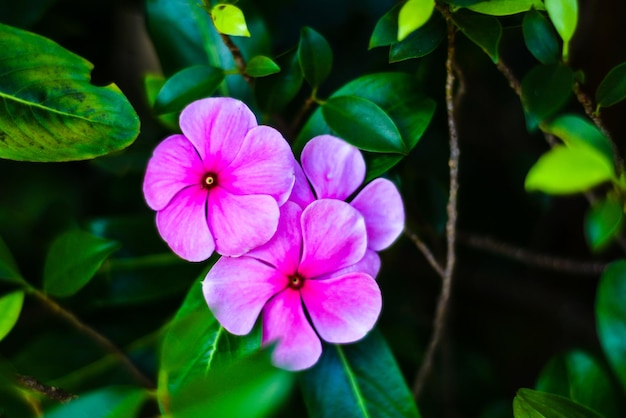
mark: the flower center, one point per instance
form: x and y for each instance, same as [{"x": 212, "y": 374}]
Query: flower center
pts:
[
  {"x": 296, "y": 282},
  {"x": 209, "y": 180}
]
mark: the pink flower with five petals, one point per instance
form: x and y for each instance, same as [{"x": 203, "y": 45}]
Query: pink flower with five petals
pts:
[{"x": 219, "y": 185}]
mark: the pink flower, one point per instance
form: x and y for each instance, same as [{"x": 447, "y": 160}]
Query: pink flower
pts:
[
  {"x": 308, "y": 265},
  {"x": 219, "y": 185}
]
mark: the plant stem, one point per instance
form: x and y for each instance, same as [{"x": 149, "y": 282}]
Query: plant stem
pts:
[
  {"x": 240, "y": 62},
  {"x": 426, "y": 252}
]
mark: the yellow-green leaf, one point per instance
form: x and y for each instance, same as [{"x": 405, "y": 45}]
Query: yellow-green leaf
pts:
[
  {"x": 564, "y": 17},
  {"x": 229, "y": 20},
  {"x": 413, "y": 15},
  {"x": 10, "y": 308}
]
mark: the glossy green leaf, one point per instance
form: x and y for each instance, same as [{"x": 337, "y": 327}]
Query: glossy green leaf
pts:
[
  {"x": 229, "y": 20},
  {"x": 386, "y": 30},
  {"x": 505, "y": 7},
  {"x": 109, "y": 402},
  {"x": 530, "y": 403},
  {"x": 413, "y": 15},
  {"x": 363, "y": 123},
  {"x": 612, "y": 89},
  {"x": 603, "y": 223},
  {"x": 564, "y": 170},
  {"x": 362, "y": 378},
  {"x": 8, "y": 269},
  {"x": 261, "y": 66},
  {"x": 187, "y": 85},
  {"x": 152, "y": 85},
  {"x": 275, "y": 92},
  {"x": 51, "y": 111},
  {"x": 73, "y": 259},
  {"x": 545, "y": 90},
  {"x": 10, "y": 309},
  {"x": 540, "y": 38},
  {"x": 421, "y": 42},
  {"x": 611, "y": 317},
  {"x": 484, "y": 31},
  {"x": 315, "y": 56},
  {"x": 564, "y": 17}
]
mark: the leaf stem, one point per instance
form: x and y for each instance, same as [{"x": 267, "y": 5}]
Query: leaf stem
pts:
[
  {"x": 51, "y": 392},
  {"x": 240, "y": 62},
  {"x": 426, "y": 252}
]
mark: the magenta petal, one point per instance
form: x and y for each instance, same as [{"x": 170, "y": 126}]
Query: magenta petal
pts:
[
  {"x": 380, "y": 204},
  {"x": 241, "y": 223},
  {"x": 217, "y": 127},
  {"x": 264, "y": 165},
  {"x": 183, "y": 225},
  {"x": 284, "y": 323},
  {"x": 301, "y": 192},
  {"x": 334, "y": 167},
  {"x": 369, "y": 264},
  {"x": 333, "y": 237},
  {"x": 283, "y": 250},
  {"x": 174, "y": 165},
  {"x": 236, "y": 289},
  {"x": 343, "y": 309}
]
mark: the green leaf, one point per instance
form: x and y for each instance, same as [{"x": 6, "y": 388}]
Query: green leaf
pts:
[
  {"x": 361, "y": 379},
  {"x": 10, "y": 309},
  {"x": 564, "y": 17},
  {"x": 545, "y": 90},
  {"x": 484, "y": 31},
  {"x": 413, "y": 15},
  {"x": 109, "y": 402},
  {"x": 51, "y": 111},
  {"x": 611, "y": 317},
  {"x": 612, "y": 89},
  {"x": 274, "y": 92},
  {"x": 8, "y": 269},
  {"x": 603, "y": 223},
  {"x": 386, "y": 30},
  {"x": 187, "y": 85},
  {"x": 505, "y": 7},
  {"x": 229, "y": 20},
  {"x": 73, "y": 259},
  {"x": 421, "y": 42},
  {"x": 153, "y": 83},
  {"x": 363, "y": 123},
  {"x": 564, "y": 170},
  {"x": 261, "y": 66},
  {"x": 540, "y": 38},
  {"x": 530, "y": 403},
  {"x": 315, "y": 56}
]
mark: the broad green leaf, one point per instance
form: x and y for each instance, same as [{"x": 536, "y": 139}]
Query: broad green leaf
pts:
[
  {"x": 603, "y": 223},
  {"x": 363, "y": 123},
  {"x": 51, "y": 111},
  {"x": 187, "y": 85},
  {"x": 386, "y": 30},
  {"x": 360, "y": 379},
  {"x": 540, "y": 37},
  {"x": 612, "y": 89},
  {"x": 484, "y": 31},
  {"x": 153, "y": 83},
  {"x": 530, "y": 403},
  {"x": 564, "y": 17},
  {"x": 611, "y": 317},
  {"x": 8, "y": 269},
  {"x": 413, "y": 15},
  {"x": 229, "y": 20},
  {"x": 261, "y": 66},
  {"x": 315, "y": 57},
  {"x": 73, "y": 259},
  {"x": 564, "y": 170},
  {"x": 421, "y": 42},
  {"x": 505, "y": 7},
  {"x": 545, "y": 90},
  {"x": 10, "y": 309},
  {"x": 275, "y": 92},
  {"x": 109, "y": 402}
]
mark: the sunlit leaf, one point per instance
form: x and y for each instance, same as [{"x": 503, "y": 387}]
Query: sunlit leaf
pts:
[
  {"x": 612, "y": 89},
  {"x": 505, "y": 7},
  {"x": 51, "y": 111},
  {"x": 187, "y": 85},
  {"x": 564, "y": 17},
  {"x": 545, "y": 90},
  {"x": 413, "y": 15},
  {"x": 530, "y": 403},
  {"x": 10, "y": 309},
  {"x": 484, "y": 31},
  {"x": 8, "y": 269},
  {"x": 109, "y": 402},
  {"x": 315, "y": 56},
  {"x": 603, "y": 223},
  {"x": 540, "y": 37},
  {"x": 421, "y": 42},
  {"x": 261, "y": 66},
  {"x": 229, "y": 20}
]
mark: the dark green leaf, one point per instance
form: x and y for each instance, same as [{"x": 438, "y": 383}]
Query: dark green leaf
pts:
[
  {"x": 363, "y": 123},
  {"x": 484, "y": 31},
  {"x": 505, "y": 7},
  {"x": 611, "y": 317},
  {"x": 274, "y": 92},
  {"x": 545, "y": 90},
  {"x": 530, "y": 403},
  {"x": 153, "y": 84},
  {"x": 315, "y": 57},
  {"x": 110, "y": 402},
  {"x": 261, "y": 66},
  {"x": 564, "y": 17},
  {"x": 612, "y": 89},
  {"x": 73, "y": 259},
  {"x": 540, "y": 38},
  {"x": 51, "y": 111},
  {"x": 8, "y": 269},
  {"x": 361, "y": 379},
  {"x": 386, "y": 30},
  {"x": 413, "y": 15},
  {"x": 10, "y": 309},
  {"x": 603, "y": 223},
  {"x": 421, "y": 42},
  {"x": 187, "y": 85}
]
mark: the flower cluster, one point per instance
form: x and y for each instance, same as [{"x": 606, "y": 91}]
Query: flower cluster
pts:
[{"x": 298, "y": 246}]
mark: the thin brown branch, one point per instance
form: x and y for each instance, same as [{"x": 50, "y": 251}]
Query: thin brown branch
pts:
[
  {"x": 51, "y": 392},
  {"x": 510, "y": 77},
  {"x": 240, "y": 62},
  {"x": 426, "y": 252}
]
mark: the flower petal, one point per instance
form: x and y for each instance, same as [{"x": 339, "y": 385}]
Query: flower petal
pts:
[
  {"x": 334, "y": 167},
  {"x": 283, "y": 250},
  {"x": 264, "y": 165},
  {"x": 284, "y": 322},
  {"x": 236, "y": 289},
  {"x": 183, "y": 225},
  {"x": 369, "y": 264},
  {"x": 174, "y": 165},
  {"x": 241, "y": 223},
  {"x": 217, "y": 127},
  {"x": 301, "y": 192},
  {"x": 333, "y": 237},
  {"x": 343, "y": 309},
  {"x": 380, "y": 204}
]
